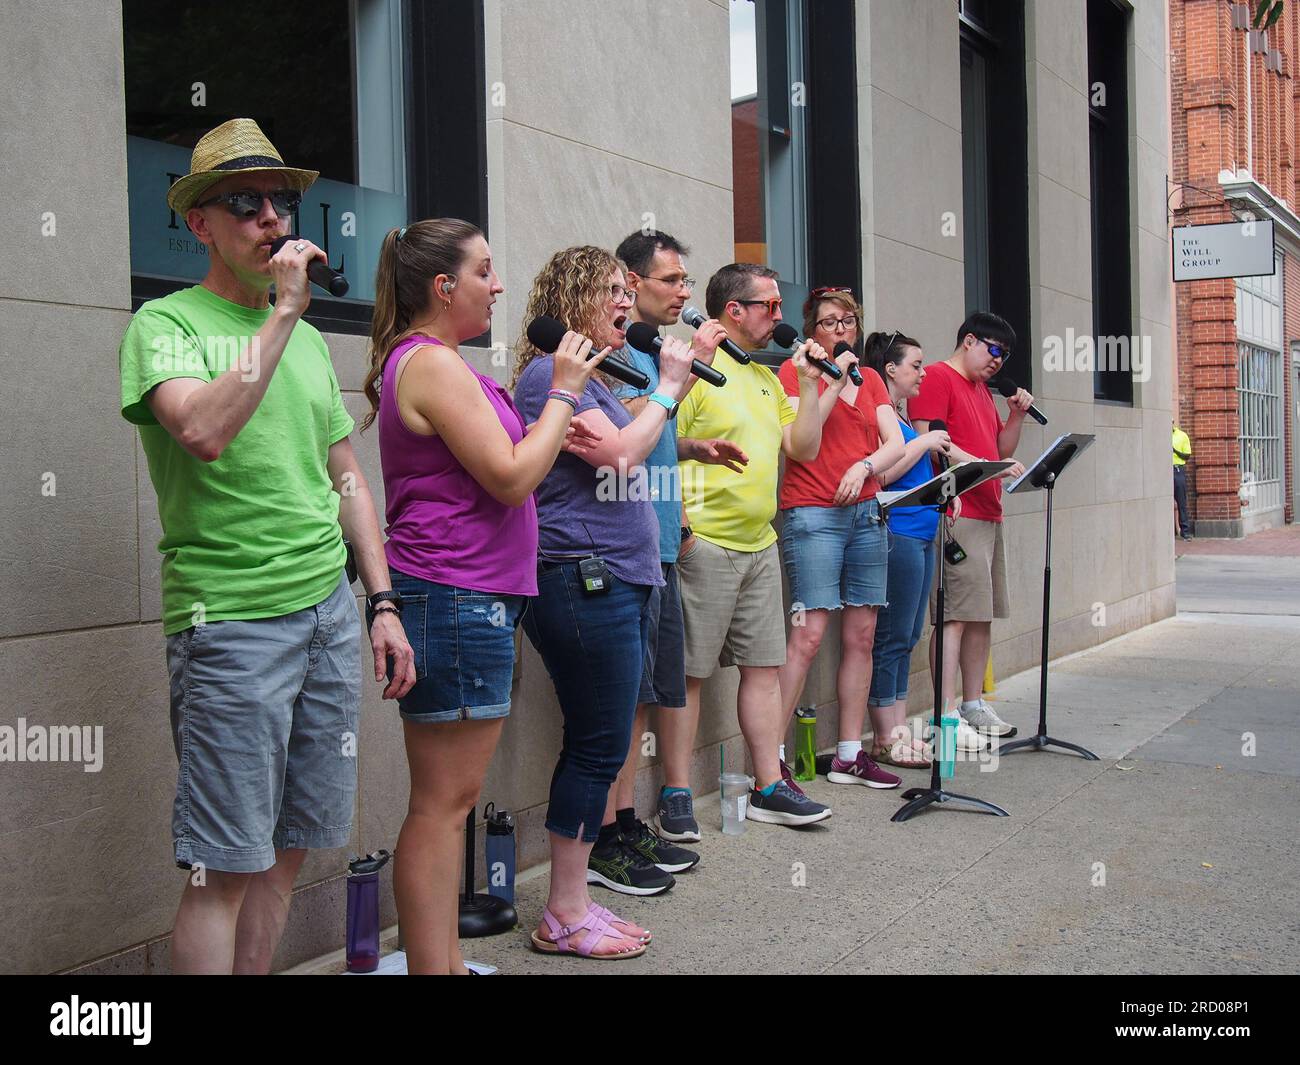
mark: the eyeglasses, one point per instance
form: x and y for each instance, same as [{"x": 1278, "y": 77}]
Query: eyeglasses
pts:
[
  {"x": 818, "y": 293},
  {"x": 996, "y": 351},
  {"x": 676, "y": 282},
  {"x": 849, "y": 321},
  {"x": 773, "y": 305},
  {"x": 618, "y": 294},
  {"x": 247, "y": 203}
]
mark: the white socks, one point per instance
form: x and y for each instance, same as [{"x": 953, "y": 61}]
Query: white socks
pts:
[
  {"x": 780, "y": 752},
  {"x": 848, "y": 750}
]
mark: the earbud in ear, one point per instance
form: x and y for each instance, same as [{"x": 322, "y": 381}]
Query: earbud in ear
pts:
[{"x": 447, "y": 286}]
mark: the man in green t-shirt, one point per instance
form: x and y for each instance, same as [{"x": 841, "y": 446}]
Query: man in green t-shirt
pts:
[{"x": 246, "y": 436}]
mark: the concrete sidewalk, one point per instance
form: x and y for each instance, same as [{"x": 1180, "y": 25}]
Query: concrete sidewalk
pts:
[{"x": 1197, "y": 840}]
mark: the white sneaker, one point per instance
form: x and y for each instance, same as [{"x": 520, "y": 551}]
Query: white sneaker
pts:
[
  {"x": 985, "y": 719},
  {"x": 968, "y": 739}
]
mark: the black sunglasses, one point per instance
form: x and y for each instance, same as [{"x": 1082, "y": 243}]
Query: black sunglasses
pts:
[{"x": 247, "y": 203}]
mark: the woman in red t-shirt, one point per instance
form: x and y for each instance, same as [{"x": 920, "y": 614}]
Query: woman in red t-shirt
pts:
[{"x": 834, "y": 544}]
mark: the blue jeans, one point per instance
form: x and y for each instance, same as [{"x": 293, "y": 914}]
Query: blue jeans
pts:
[
  {"x": 899, "y": 625},
  {"x": 594, "y": 647}
]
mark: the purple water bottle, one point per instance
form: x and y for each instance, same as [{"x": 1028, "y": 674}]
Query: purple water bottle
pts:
[
  {"x": 500, "y": 848},
  {"x": 363, "y": 911}
]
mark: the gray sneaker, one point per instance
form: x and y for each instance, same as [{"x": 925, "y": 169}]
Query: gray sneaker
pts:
[
  {"x": 675, "y": 818},
  {"x": 984, "y": 719},
  {"x": 785, "y": 806}
]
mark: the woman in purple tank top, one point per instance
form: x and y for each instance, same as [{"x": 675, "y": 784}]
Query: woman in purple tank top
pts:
[{"x": 459, "y": 469}]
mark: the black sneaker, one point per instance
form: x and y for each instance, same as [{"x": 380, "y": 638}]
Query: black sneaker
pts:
[
  {"x": 785, "y": 806},
  {"x": 659, "y": 852},
  {"x": 675, "y": 819},
  {"x": 620, "y": 868}
]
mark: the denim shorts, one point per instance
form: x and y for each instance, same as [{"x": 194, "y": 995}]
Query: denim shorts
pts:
[
  {"x": 464, "y": 644},
  {"x": 835, "y": 556},
  {"x": 663, "y": 681},
  {"x": 264, "y": 718}
]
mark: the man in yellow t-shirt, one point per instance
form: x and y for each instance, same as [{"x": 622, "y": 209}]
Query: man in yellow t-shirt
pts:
[
  {"x": 728, "y": 565},
  {"x": 1182, "y": 452}
]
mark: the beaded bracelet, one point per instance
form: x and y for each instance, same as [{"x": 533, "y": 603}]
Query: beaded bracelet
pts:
[{"x": 561, "y": 394}]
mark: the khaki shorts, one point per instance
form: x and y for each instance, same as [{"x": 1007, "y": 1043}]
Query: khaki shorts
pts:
[
  {"x": 975, "y": 589},
  {"x": 732, "y": 607}
]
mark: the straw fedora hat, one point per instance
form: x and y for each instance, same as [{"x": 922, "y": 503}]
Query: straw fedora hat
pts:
[{"x": 235, "y": 147}]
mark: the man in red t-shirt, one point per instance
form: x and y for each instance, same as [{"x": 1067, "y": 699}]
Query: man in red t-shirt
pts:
[{"x": 975, "y": 590}]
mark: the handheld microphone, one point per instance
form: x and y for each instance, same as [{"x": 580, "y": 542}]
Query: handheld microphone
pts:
[
  {"x": 643, "y": 336},
  {"x": 840, "y": 349},
  {"x": 546, "y": 334},
  {"x": 787, "y": 336},
  {"x": 938, "y": 426},
  {"x": 320, "y": 273},
  {"x": 1007, "y": 388},
  {"x": 693, "y": 317}
]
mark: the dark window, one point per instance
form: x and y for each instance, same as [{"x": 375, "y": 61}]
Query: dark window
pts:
[
  {"x": 995, "y": 169},
  {"x": 345, "y": 87},
  {"x": 1112, "y": 276},
  {"x": 835, "y": 217}
]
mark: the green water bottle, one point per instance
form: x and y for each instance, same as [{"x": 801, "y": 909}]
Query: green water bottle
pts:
[{"x": 805, "y": 744}]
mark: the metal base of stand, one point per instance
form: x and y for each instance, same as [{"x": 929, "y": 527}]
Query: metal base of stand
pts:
[
  {"x": 923, "y": 797},
  {"x": 485, "y": 915},
  {"x": 1041, "y": 742}
]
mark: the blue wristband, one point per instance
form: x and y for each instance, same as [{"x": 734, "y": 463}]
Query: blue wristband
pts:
[{"x": 667, "y": 402}]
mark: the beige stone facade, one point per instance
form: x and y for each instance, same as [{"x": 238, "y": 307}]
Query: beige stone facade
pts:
[{"x": 88, "y": 877}]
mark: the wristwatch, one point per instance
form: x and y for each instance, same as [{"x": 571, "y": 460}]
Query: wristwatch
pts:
[
  {"x": 686, "y": 533},
  {"x": 667, "y": 402},
  {"x": 372, "y": 601}
]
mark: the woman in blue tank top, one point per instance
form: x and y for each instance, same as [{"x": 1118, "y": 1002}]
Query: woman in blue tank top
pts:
[{"x": 898, "y": 359}]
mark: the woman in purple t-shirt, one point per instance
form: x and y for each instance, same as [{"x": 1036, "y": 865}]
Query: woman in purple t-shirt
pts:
[
  {"x": 597, "y": 566},
  {"x": 459, "y": 470}
]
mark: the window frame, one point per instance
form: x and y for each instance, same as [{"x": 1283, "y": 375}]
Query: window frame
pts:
[
  {"x": 1109, "y": 193},
  {"x": 434, "y": 61}
]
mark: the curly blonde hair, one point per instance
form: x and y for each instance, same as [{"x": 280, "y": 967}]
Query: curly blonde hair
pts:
[{"x": 573, "y": 288}]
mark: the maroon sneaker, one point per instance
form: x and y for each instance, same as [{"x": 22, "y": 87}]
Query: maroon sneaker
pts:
[
  {"x": 788, "y": 777},
  {"x": 862, "y": 771}
]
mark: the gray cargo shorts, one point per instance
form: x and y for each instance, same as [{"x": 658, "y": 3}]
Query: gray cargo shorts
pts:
[{"x": 264, "y": 718}]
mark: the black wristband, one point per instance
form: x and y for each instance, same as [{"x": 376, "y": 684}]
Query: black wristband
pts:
[{"x": 395, "y": 598}]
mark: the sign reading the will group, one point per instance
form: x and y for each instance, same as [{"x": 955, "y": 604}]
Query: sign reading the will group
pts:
[{"x": 1224, "y": 249}]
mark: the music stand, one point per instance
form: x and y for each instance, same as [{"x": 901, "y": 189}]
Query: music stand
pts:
[
  {"x": 1044, "y": 474},
  {"x": 936, "y": 494}
]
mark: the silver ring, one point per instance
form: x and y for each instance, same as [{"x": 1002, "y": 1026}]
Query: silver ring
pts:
[{"x": 300, "y": 246}]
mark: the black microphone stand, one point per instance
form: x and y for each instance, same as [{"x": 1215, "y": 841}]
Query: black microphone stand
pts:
[
  {"x": 1043, "y": 474},
  {"x": 920, "y": 798},
  {"x": 481, "y": 915}
]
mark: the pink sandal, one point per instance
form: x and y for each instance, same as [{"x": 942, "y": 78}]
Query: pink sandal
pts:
[
  {"x": 600, "y": 911},
  {"x": 597, "y": 927}
]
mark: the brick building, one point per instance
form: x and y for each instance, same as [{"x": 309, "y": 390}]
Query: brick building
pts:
[{"x": 1233, "y": 125}]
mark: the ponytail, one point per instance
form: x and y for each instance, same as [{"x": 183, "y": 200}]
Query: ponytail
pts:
[
  {"x": 886, "y": 349},
  {"x": 409, "y": 259}
]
